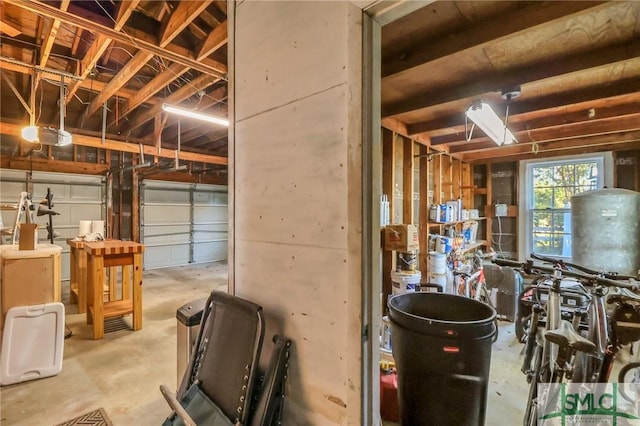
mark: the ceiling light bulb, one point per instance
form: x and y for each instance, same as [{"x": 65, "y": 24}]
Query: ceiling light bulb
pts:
[{"x": 30, "y": 133}]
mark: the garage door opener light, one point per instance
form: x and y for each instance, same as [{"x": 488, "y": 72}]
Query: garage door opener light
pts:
[{"x": 46, "y": 135}]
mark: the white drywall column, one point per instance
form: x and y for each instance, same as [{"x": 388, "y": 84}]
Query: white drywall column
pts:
[{"x": 297, "y": 191}]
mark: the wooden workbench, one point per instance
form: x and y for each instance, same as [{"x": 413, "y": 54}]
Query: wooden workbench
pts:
[{"x": 109, "y": 254}]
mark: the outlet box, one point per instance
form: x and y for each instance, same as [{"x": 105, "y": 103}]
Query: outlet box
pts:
[{"x": 501, "y": 210}]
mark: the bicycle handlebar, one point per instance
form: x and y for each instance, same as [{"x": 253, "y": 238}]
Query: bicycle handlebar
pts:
[
  {"x": 529, "y": 268},
  {"x": 563, "y": 264}
]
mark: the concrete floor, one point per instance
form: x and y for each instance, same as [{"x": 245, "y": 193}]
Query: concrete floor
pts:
[{"x": 122, "y": 372}]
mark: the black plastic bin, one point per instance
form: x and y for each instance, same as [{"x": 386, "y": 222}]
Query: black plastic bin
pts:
[{"x": 442, "y": 349}]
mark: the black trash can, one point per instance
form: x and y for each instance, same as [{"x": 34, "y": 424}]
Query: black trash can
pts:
[{"x": 442, "y": 349}]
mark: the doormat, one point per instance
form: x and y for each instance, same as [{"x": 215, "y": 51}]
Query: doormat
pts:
[{"x": 93, "y": 418}]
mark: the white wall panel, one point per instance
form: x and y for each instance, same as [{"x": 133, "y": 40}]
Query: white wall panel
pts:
[
  {"x": 288, "y": 62},
  {"x": 297, "y": 191},
  {"x": 309, "y": 191}
]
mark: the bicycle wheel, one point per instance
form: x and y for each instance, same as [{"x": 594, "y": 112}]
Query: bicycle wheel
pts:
[
  {"x": 629, "y": 381},
  {"x": 531, "y": 412}
]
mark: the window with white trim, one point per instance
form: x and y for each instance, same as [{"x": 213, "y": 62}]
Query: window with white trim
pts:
[{"x": 551, "y": 186}]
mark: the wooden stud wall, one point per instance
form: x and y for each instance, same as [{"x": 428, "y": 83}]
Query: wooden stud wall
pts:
[{"x": 449, "y": 178}]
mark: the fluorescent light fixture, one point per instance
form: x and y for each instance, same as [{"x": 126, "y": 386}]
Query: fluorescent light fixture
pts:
[
  {"x": 194, "y": 114},
  {"x": 489, "y": 122}
]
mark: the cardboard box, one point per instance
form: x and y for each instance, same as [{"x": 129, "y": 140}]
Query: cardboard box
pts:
[
  {"x": 28, "y": 236},
  {"x": 401, "y": 238}
]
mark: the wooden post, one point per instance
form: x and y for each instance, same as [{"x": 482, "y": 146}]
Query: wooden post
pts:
[
  {"x": 137, "y": 291},
  {"x": 423, "y": 212},
  {"x": 407, "y": 181},
  {"x": 388, "y": 177},
  {"x": 135, "y": 207}
]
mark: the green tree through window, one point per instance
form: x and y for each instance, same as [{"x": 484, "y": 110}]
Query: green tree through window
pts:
[{"x": 553, "y": 185}]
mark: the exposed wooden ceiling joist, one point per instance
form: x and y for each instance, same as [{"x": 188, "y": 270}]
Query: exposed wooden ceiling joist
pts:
[
  {"x": 184, "y": 92},
  {"x": 537, "y": 13},
  {"x": 597, "y": 96},
  {"x": 603, "y": 126},
  {"x": 505, "y": 80},
  {"x": 216, "y": 39},
  {"x": 624, "y": 140},
  {"x": 99, "y": 45},
  {"x": 13, "y": 129},
  {"x": 51, "y": 36},
  {"x": 178, "y": 20},
  {"x": 106, "y": 32},
  {"x": 159, "y": 82}
]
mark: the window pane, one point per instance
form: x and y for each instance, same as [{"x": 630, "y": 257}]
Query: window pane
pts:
[
  {"x": 553, "y": 186},
  {"x": 542, "y": 221},
  {"x": 542, "y": 197},
  {"x": 563, "y": 175},
  {"x": 562, "y": 197},
  {"x": 542, "y": 176},
  {"x": 542, "y": 243}
]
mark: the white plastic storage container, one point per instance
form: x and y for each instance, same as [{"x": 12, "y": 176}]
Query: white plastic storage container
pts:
[{"x": 32, "y": 343}]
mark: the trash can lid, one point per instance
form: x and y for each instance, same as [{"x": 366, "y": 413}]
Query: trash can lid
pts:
[{"x": 190, "y": 313}]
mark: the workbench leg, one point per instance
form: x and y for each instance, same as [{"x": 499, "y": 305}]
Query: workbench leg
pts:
[
  {"x": 137, "y": 291},
  {"x": 113, "y": 283},
  {"x": 82, "y": 281},
  {"x": 96, "y": 270},
  {"x": 90, "y": 282},
  {"x": 126, "y": 282},
  {"x": 73, "y": 277}
]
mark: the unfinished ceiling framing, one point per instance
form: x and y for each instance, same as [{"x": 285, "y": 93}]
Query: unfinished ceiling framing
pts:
[
  {"x": 577, "y": 65},
  {"x": 119, "y": 61}
]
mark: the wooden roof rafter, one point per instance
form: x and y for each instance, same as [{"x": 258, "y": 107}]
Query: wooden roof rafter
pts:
[
  {"x": 171, "y": 53},
  {"x": 100, "y": 45},
  {"x": 215, "y": 40},
  {"x": 176, "y": 22},
  {"x": 187, "y": 90}
]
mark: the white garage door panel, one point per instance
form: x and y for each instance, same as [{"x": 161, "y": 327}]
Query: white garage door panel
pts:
[
  {"x": 75, "y": 197},
  {"x": 208, "y": 214},
  {"x": 161, "y": 214},
  {"x": 183, "y": 223},
  {"x": 166, "y": 256},
  {"x": 207, "y": 252},
  {"x": 156, "y": 230}
]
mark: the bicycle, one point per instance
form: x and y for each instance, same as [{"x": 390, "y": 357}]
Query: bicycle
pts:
[
  {"x": 627, "y": 331},
  {"x": 469, "y": 280},
  {"x": 595, "y": 367},
  {"x": 552, "y": 342}
]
